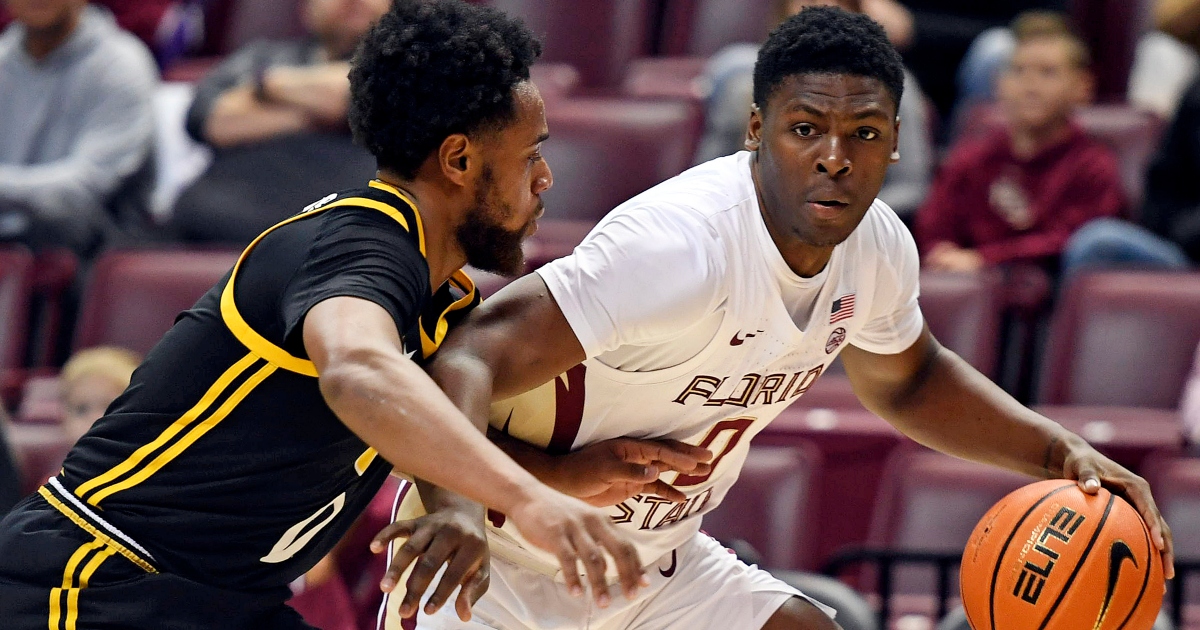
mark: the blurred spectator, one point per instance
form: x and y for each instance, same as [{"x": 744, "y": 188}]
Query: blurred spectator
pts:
[
  {"x": 939, "y": 34},
  {"x": 1190, "y": 408},
  {"x": 1180, "y": 19},
  {"x": 168, "y": 27},
  {"x": 275, "y": 113},
  {"x": 1168, "y": 236},
  {"x": 730, "y": 72},
  {"x": 78, "y": 124},
  {"x": 91, "y": 380},
  {"x": 1018, "y": 194}
]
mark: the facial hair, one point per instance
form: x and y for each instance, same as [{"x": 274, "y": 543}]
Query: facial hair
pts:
[{"x": 482, "y": 236}]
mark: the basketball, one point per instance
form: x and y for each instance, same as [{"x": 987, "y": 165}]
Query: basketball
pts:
[{"x": 1051, "y": 557}]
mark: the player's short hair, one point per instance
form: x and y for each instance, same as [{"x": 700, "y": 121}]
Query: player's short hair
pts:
[
  {"x": 432, "y": 68},
  {"x": 827, "y": 40},
  {"x": 1038, "y": 25}
]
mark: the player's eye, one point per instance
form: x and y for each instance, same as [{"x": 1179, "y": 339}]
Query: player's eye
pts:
[
  {"x": 867, "y": 134},
  {"x": 804, "y": 130}
]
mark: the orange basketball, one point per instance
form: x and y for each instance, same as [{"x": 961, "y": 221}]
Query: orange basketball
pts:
[{"x": 1050, "y": 557}]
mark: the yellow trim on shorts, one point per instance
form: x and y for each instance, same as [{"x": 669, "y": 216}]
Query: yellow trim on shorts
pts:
[
  {"x": 71, "y": 617},
  {"x": 190, "y": 438},
  {"x": 91, "y": 529},
  {"x": 56, "y": 613},
  {"x": 209, "y": 397}
]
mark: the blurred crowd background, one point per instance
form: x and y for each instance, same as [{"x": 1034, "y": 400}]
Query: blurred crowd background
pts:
[{"x": 1050, "y": 171}]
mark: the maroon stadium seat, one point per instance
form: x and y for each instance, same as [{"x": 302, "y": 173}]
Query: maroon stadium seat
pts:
[
  {"x": 40, "y": 450},
  {"x": 932, "y": 502},
  {"x": 243, "y": 21},
  {"x": 1133, "y": 134},
  {"x": 1122, "y": 338},
  {"x": 554, "y": 80},
  {"x": 667, "y": 77},
  {"x": 1176, "y": 485},
  {"x": 604, "y": 151},
  {"x": 133, "y": 297},
  {"x": 702, "y": 27},
  {"x": 16, "y": 281},
  {"x": 554, "y": 239},
  {"x": 963, "y": 312},
  {"x": 772, "y": 505},
  {"x": 599, "y": 37}
]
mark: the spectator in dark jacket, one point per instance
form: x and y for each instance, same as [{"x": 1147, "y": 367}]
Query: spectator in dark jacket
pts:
[
  {"x": 275, "y": 113},
  {"x": 1018, "y": 194},
  {"x": 1168, "y": 236}
]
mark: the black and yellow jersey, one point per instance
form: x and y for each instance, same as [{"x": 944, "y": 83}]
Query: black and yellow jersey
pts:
[{"x": 221, "y": 460}]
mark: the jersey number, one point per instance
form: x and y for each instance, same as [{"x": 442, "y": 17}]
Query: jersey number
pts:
[
  {"x": 735, "y": 428},
  {"x": 301, "y": 533}
]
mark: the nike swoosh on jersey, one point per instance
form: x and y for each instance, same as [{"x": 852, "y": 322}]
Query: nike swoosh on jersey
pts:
[{"x": 1118, "y": 553}]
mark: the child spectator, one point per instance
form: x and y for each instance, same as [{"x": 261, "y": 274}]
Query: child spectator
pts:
[
  {"x": 91, "y": 380},
  {"x": 1018, "y": 194}
]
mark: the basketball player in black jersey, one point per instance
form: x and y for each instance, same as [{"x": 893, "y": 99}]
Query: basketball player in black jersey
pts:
[{"x": 265, "y": 420}]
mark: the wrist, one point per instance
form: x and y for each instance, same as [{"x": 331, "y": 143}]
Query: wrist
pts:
[{"x": 1062, "y": 447}]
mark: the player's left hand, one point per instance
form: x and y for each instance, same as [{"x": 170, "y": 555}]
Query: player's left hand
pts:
[
  {"x": 1091, "y": 470},
  {"x": 449, "y": 535}
]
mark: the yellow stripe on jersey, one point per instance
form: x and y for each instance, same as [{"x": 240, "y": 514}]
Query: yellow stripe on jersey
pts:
[
  {"x": 179, "y": 425},
  {"x": 375, "y": 183},
  {"x": 91, "y": 529},
  {"x": 196, "y": 433},
  {"x": 464, "y": 282},
  {"x": 250, "y": 337}
]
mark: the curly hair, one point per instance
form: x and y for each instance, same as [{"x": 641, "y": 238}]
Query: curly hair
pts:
[
  {"x": 432, "y": 68},
  {"x": 827, "y": 40}
]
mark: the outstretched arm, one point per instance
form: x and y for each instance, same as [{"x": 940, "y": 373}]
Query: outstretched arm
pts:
[
  {"x": 937, "y": 399},
  {"x": 390, "y": 403}
]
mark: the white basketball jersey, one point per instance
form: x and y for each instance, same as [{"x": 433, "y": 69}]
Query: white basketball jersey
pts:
[{"x": 681, "y": 301}]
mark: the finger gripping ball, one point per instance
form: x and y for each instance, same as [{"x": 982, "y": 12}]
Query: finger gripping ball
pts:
[{"x": 1050, "y": 557}]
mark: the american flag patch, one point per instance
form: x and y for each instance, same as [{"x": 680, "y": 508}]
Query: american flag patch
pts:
[{"x": 843, "y": 308}]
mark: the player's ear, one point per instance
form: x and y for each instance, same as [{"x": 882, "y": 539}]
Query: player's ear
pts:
[
  {"x": 455, "y": 156},
  {"x": 754, "y": 129}
]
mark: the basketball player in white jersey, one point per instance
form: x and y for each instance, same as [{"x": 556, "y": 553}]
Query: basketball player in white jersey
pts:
[{"x": 700, "y": 309}]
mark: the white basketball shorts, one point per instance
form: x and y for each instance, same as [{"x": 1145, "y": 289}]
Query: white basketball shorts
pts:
[{"x": 699, "y": 586}]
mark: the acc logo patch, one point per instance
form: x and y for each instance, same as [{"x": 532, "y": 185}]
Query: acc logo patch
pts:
[{"x": 836, "y": 338}]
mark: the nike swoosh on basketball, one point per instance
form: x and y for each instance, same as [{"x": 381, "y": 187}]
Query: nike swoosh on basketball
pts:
[
  {"x": 1117, "y": 555},
  {"x": 671, "y": 569}
]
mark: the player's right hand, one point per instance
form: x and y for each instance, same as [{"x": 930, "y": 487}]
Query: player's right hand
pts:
[
  {"x": 576, "y": 532},
  {"x": 609, "y": 472}
]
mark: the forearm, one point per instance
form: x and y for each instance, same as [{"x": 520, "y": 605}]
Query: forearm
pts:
[
  {"x": 394, "y": 407},
  {"x": 436, "y": 498},
  {"x": 951, "y": 407},
  {"x": 322, "y": 93},
  {"x": 239, "y": 118}
]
